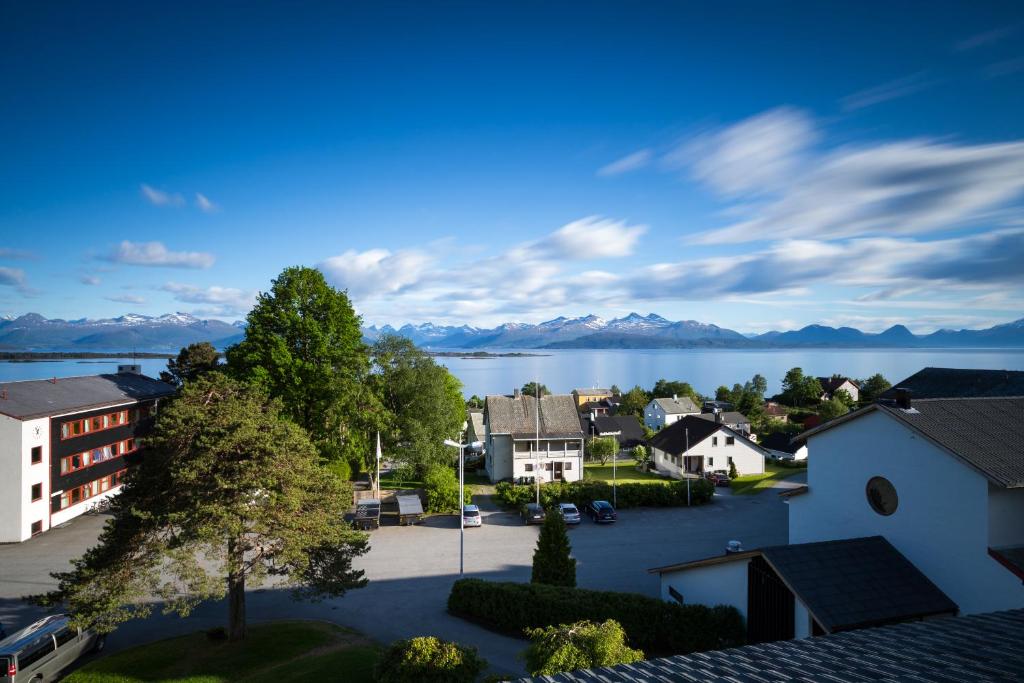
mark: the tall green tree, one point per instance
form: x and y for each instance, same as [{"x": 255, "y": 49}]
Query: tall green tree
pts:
[
  {"x": 582, "y": 645},
  {"x": 530, "y": 389},
  {"x": 230, "y": 493},
  {"x": 634, "y": 401},
  {"x": 192, "y": 361},
  {"x": 799, "y": 389},
  {"x": 553, "y": 563},
  {"x": 664, "y": 388},
  {"x": 422, "y": 400},
  {"x": 873, "y": 387},
  {"x": 844, "y": 396},
  {"x": 303, "y": 345},
  {"x": 833, "y": 408},
  {"x": 602, "y": 448},
  {"x": 759, "y": 385}
]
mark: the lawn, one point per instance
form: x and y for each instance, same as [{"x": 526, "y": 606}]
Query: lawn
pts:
[
  {"x": 752, "y": 483},
  {"x": 625, "y": 472},
  {"x": 279, "y": 652}
]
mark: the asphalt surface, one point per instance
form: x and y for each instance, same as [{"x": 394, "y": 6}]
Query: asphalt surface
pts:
[{"x": 411, "y": 569}]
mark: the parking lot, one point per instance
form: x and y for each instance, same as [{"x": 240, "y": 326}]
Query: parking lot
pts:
[{"x": 411, "y": 569}]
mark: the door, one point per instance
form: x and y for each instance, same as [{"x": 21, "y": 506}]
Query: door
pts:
[
  {"x": 558, "y": 471},
  {"x": 769, "y": 605}
]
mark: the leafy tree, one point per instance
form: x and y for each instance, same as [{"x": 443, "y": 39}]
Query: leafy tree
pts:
[
  {"x": 602, "y": 448},
  {"x": 664, "y": 388},
  {"x": 192, "y": 361},
  {"x": 552, "y": 562},
  {"x": 759, "y": 385},
  {"x": 723, "y": 393},
  {"x": 475, "y": 402},
  {"x": 634, "y": 401},
  {"x": 615, "y": 390},
  {"x": 441, "y": 485},
  {"x": 422, "y": 402},
  {"x": 303, "y": 345},
  {"x": 530, "y": 389},
  {"x": 873, "y": 387},
  {"x": 641, "y": 456},
  {"x": 230, "y": 492},
  {"x": 583, "y": 645},
  {"x": 428, "y": 660},
  {"x": 844, "y": 396},
  {"x": 799, "y": 389},
  {"x": 832, "y": 408}
]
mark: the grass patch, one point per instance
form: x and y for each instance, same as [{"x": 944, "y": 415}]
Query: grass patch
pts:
[
  {"x": 388, "y": 480},
  {"x": 624, "y": 473},
  {"x": 281, "y": 651},
  {"x": 753, "y": 483}
]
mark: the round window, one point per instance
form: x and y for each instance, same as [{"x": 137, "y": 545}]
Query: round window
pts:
[{"x": 882, "y": 496}]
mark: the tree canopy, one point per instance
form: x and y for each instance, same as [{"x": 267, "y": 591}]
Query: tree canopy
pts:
[
  {"x": 602, "y": 448},
  {"x": 833, "y": 408},
  {"x": 634, "y": 401},
  {"x": 664, "y": 388},
  {"x": 230, "y": 493},
  {"x": 530, "y": 389},
  {"x": 583, "y": 645},
  {"x": 192, "y": 361},
  {"x": 873, "y": 387},
  {"x": 799, "y": 389}
]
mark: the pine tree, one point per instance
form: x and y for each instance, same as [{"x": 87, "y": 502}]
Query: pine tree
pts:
[{"x": 552, "y": 563}]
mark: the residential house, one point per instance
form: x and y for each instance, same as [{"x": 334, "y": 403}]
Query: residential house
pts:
[
  {"x": 711, "y": 406},
  {"x": 606, "y": 406},
  {"x": 582, "y": 396},
  {"x": 960, "y": 383},
  {"x": 835, "y": 383},
  {"x": 782, "y": 446},
  {"x": 661, "y": 412},
  {"x": 625, "y": 428},
  {"x": 738, "y": 421},
  {"x": 523, "y": 439},
  {"x": 475, "y": 428},
  {"x": 775, "y": 411},
  {"x": 65, "y": 445},
  {"x": 694, "y": 445}
]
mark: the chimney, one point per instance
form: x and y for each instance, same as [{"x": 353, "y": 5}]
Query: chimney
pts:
[
  {"x": 675, "y": 397},
  {"x": 515, "y": 393},
  {"x": 719, "y": 418},
  {"x": 733, "y": 547},
  {"x": 903, "y": 398},
  {"x": 130, "y": 369}
]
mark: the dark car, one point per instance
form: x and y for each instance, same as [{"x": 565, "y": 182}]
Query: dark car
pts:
[
  {"x": 533, "y": 513},
  {"x": 718, "y": 478},
  {"x": 601, "y": 511}
]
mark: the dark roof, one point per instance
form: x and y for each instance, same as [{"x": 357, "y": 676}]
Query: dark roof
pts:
[
  {"x": 41, "y": 397},
  {"x": 517, "y": 416},
  {"x": 830, "y": 384},
  {"x": 693, "y": 429},
  {"x": 986, "y": 433},
  {"x": 627, "y": 426},
  {"x": 957, "y": 383},
  {"x": 728, "y": 416},
  {"x": 779, "y": 441},
  {"x": 1010, "y": 557},
  {"x": 975, "y": 649}
]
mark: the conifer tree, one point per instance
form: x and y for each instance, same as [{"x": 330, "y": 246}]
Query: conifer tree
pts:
[{"x": 552, "y": 563}]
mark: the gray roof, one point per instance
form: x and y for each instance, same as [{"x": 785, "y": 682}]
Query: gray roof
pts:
[
  {"x": 730, "y": 417},
  {"x": 986, "y": 433},
  {"x": 476, "y": 421},
  {"x": 677, "y": 406},
  {"x": 960, "y": 383},
  {"x": 593, "y": 392},
  {"x": 517, "y": 416},
  {"x": 42, "y": 397},
  {"x": 981, "y": 647}
]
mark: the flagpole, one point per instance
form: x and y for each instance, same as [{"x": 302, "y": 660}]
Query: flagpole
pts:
[{"x": 378, "y": 466}]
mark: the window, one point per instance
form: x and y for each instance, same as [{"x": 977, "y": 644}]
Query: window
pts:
[
  {"x": 80, "y": 461},
  {"x": 37, "y": 455},
  {"x": 529, "y": 467},
  {"x": 37, "y": 527},
  {"x": 729, "y": 460},
  {"x": 36, "y": 651},
  {"x": 711, "y": 462},
  {"x": 547, "y": 466},
  {"x": 730, "y": 441},
  {"x": 882, "y": 496},
  {"x": 65, "y": 635},
  {"x": 714, "y": 441},
  {"x": 97, "y": 423},
  {"x": 37, "y": 492},
  {"x": 568, "y": 465}
]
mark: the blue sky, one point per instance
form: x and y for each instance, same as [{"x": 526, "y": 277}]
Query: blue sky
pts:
[{"x": 755, "y": 165}]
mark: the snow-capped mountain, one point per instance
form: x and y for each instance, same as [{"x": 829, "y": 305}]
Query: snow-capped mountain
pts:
[{"x": 168, "y": 332}]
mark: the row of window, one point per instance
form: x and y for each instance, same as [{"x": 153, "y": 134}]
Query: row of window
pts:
[
  {"x": 93, "y": 488},
  {"x": 97, "y": 423},
  {"x": 79, "y": 461},
  {"x": 729, "y": 440},
  {"x": 547, "y": 466}
]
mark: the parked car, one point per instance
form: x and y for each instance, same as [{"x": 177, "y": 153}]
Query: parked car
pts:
[
  {"x": 601, "y": 511},
  {"x": 533, "y": 513},
  {"x": 718, "y": 477},
  {"x": 45, "y": 648},
  {"x": 570, "y": 513},
  {"x": 471, "y": 516}
]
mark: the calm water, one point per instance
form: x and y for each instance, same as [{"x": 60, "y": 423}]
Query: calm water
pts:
[{"x": 564, "y": 370}]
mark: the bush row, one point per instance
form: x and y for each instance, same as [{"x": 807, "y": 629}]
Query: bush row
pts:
[
  {"x": 630, "y": 495},
  {"x": 655, "y": 626}
]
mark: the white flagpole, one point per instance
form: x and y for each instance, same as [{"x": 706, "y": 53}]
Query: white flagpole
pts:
[{"x": 378, "y": 465}]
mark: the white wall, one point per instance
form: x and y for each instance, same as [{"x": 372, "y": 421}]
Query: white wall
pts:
[
  {"x": 716, "y": 584},
  {"x": 70, "y": 513},
  {"x": 941, "y": 523},
  {"x": 12, "y": 498},
  {"x": 1005, "y": 517},
  {"x": 747, "y": 457},
  {"x": 38, "y": 511},
  {"x": 801, "y": 619}
]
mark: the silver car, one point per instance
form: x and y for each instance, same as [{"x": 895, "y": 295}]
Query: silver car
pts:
[
  {"x": 570, "y": 513},
  {"x": 42, "y": 650}
]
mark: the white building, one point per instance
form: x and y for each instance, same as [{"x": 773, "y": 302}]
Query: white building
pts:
[
  {"x": 694, "y": 445},
  {"x": 661, "y": 412},
  {"x": 519, "y": 442},
  {"x": 830, "y": 386},
  {"x": 66, "y": 443}
]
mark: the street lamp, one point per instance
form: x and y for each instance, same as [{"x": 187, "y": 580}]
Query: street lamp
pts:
[{"x": 462, "y": 527}]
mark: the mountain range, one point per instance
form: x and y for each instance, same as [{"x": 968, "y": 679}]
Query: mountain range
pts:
[{"x": 168, "y": 333}]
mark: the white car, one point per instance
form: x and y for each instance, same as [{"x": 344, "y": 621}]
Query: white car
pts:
[
  {"x": 570, "y": 513},
  {"x": 471, "y": 516}
]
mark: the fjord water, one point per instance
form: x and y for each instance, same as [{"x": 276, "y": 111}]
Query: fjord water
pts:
[{"x": 563, "y": 370}]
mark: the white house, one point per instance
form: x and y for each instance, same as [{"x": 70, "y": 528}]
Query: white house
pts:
[
  {"x": 66, "y": 443},
  {"x": 694, "y": 445},
  {"x": 835, "y": 383},
  {"x": 661, "y": 412},
  {"x": 519, "y": 442}
]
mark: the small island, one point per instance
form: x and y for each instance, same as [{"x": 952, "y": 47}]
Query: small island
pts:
[{"x": 473, "y": 355}]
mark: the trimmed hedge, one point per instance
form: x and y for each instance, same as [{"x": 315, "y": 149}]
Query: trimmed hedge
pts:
[
  {"x": 657, "y": 627},
  {"x": 630, "y": 495}
]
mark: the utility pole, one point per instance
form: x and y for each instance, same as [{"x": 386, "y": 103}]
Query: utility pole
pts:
[
  {"x": 686, "y": 456},
  {"x": 536, "y": 453}
]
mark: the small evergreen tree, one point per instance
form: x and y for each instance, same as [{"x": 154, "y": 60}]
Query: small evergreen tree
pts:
[
  {"x": 732, "y": 470},
  {"x": 552, "y": 563}
]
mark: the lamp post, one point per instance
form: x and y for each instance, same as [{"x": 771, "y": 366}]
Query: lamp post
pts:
[{"x": 462, "y": 497}]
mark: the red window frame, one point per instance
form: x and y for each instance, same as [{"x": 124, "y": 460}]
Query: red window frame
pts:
[
  {"x": 36, "y": 455},
  {"x": 97, "y": 423},
  {"x": 80, "y": 494},
  {"x": 32, "y": 492},
  {"x": 87, "y": 458}
]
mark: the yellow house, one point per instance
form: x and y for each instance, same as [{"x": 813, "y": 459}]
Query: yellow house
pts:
[{"x": 590, "y": 395}]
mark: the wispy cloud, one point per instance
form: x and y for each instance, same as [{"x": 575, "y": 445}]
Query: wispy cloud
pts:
[
  {"x": 205, "y": 205},
  {"x": 157, "y": 255},
  {"x": 126, "y": 299},
  {"x": 221, "y": 301},
  {"x": 1006, "y": 67},
  {"x": 985, "y": 38},
  {"x": 160, "y": 197},
  {"x": 892, "y": 90},
  {"x": 90, "y": 280},
  {"x": 15, "y": 254},
  {"x": 375, "y": 271},
  {"x": 592, "y": 237},
  {"x": 12, "y": 277},
  {"x": 628, "y": 163}
]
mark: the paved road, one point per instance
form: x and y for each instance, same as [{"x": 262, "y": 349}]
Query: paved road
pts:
[{"x": 411, "y": 569}]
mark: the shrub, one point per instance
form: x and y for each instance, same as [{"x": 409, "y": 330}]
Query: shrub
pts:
[
  {"x": 441, "y": 486},
  {"x": 428, "y": 659},
  {"x": 583, "y": 645},
  {"x": 630, "y": 495},
  {"x": 655, "y": 626},
  {"x": 552, "y": 563},
  {"x": 602, "y": 448},
  {"x": 641, "y": 456},
  {"x": 732, "y": 470}
]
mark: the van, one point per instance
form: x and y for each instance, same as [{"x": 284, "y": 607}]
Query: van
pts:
[{"x": 39, "y": 652}]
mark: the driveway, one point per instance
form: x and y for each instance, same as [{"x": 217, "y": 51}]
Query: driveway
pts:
[{"x": 411, "y": 569}]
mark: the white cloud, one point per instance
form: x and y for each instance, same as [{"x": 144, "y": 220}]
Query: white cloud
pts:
[
  {"x": 159, "y": 197},
  {"x": 630, "y": 162},
  {"x": 126, "y": 299},
  {"x": 12, "y": 277},
  {"x": 17, "y": 254},
  {"x": 592, "y": 237},
  {"x": 222, "y": 301},
  {"x": 985, "y": 38},
  {"x": 205, "y": 205},
  {"x": 892, "y": 90},
  {"x": 156, "y": 254},
  {"x": 90, "y": 280},
  {"x": 375, "y": 271}
]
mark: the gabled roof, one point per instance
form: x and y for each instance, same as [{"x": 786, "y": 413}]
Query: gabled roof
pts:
[
  {"x": 593, "y": 392},
  {"x": 979, "y": 648},
  {"x": 985, "y": 433},
  {"x": 830, "y": 384},
  {"x": 627, "y": 426},
  {"x": 42, "y": 397},
  {"x": 957, "y": 383},
  {"x": 692, "y": 430},
  {"x": 780, "y": 441},
  {"x": 677, "y": 406},
  {"x": 517, "y": 416},
  {"x": 728, "y": 416}
]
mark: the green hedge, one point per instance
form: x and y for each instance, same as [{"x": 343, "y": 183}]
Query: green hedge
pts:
[
  {"x": 630, "y": 495},
  {"x": 655, "y": 626}
]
